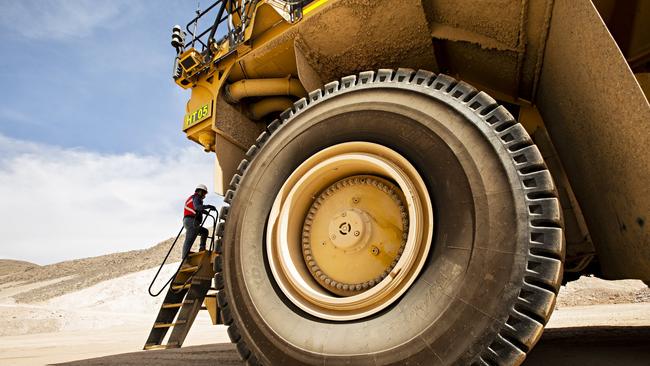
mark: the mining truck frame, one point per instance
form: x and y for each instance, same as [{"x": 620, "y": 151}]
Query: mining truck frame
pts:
[{"x": 380, "y": 211}]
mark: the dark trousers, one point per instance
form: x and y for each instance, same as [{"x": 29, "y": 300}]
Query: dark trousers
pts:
[{"x": 192, "y": 230}]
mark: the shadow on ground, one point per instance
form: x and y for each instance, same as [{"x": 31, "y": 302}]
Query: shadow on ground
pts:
[{"x": 594, "y": 346}]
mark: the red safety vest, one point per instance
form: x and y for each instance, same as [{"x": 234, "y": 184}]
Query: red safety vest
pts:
[{"x": 189, "y": 207}]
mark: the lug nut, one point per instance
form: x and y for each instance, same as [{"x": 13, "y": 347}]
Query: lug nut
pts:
[
  {"x": 374, "y": 250},
  {"x": 357, "y": 233}
]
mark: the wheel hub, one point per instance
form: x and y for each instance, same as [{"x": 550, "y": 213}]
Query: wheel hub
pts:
[
  {"x": 354, "y": 234},
  {"x": 349, "y": 231}
]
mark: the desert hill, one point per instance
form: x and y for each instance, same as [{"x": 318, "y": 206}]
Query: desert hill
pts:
[
  {"x": 78, "y": 274},
  {"x": 10, "y": 266}
]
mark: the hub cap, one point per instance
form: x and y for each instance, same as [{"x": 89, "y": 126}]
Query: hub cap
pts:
[
  {"x": 349, "y": 231},
  {"x": 354, "y": 234}
]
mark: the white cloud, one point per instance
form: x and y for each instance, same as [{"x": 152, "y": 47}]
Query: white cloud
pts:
[
  {"x": 69, "y": 203},
  {"x": 62, "y": 19}
]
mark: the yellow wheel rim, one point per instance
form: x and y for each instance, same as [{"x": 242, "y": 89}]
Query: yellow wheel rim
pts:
[{"x": 349, "y": 231}]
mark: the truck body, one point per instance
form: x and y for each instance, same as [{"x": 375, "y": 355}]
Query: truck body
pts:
[{"x": 571, "y": 73}]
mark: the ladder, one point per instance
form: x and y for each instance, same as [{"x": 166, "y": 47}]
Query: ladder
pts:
[{"x": 190, "y": 292}]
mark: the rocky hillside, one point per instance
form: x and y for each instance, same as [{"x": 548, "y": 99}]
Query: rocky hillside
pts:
[
  {"x": 10, "y": 266},
  {"x": 81, "y": 273}
]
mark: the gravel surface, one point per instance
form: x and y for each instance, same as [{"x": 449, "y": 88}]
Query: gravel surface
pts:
[{"x": 596, "y": 291}]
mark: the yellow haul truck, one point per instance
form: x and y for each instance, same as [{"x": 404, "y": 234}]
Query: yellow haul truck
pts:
[{"x": 410, "y": 181}]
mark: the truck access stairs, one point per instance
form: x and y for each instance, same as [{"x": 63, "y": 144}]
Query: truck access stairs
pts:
[{"x": 190, "y": 292}]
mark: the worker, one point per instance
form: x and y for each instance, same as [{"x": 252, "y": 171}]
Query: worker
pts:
[{"x": 193, "y": 217}]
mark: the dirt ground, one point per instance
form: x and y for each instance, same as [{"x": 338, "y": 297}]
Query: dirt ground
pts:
[
  {"x": 594, "y": 346},
  {"x": 112, "y": 316},
  {"x": 52, "y": 314},
  {"x": 595, "y": 291},
  {"x": 595, "y": 335}
]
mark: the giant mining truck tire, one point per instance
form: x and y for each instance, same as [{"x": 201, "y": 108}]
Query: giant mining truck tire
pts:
[{"x": 391, "y": 217}]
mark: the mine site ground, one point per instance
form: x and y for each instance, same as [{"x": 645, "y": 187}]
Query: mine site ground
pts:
[{"x": 96, "y": 311}]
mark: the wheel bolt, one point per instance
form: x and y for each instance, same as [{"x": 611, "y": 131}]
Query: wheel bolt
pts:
[
  {"x": 356, "y": 233},
  {"x": 374, "y": 250}
]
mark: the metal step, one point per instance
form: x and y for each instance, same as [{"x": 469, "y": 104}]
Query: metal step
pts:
[
  {"x": 178, "y": 304},
  {"x": 148, "y": 347},
  {"x": 189, "y": 269},
  {"x": 153, "y": 346},
  {"x": 181, "y": 287},
  {"x": 182, "y": 303},
  {"x": 169, "y": 325}
]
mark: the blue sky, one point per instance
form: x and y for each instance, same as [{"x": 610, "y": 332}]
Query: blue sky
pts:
[
  {"x": 92, "y": 158},
  {"x": 93, "y": 74}
]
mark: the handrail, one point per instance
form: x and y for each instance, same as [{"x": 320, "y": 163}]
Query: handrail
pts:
[
  {"x": 220, "y": 18},
  {"x": 217, "y": 21},
  {"x": 243, "y": 8},
  {"x": 200, "y": 14},
  {"x": 214, "y": 225}
]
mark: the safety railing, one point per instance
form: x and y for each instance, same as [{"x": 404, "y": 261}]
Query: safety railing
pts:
[
  {"x": 214, "y": 218},
  {"x": 225, "y": 13}
]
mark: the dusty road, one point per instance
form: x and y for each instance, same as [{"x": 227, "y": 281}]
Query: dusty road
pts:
[
  {"x": 596, "y": 335},
  {"x": 596, "y": 321},
  {"x": 594, "y": 346}
]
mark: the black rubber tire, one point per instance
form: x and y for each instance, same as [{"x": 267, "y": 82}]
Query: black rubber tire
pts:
[
  {"x": 490, "y": 281},
  {"x": 218, "y": 281}
]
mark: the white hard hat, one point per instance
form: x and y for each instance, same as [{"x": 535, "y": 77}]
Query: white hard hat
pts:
[{"x": 201, "y": 186}]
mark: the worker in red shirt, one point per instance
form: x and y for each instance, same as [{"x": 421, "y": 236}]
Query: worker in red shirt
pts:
[{"x": 193, "y": 217}]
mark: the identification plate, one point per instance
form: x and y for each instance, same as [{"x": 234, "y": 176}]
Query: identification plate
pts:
[{"x": 197, "y": 115}]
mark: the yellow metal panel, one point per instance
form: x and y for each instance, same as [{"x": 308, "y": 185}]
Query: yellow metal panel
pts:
[
  {"x": 202, "y": 113},
  {"x": 210, "y": 304},
  {"x": 190, "y": 59},
  {"x": 599, "y": 126},
  {"x": 265, "y": 18},
  {"x": 311, "y": 7}
]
